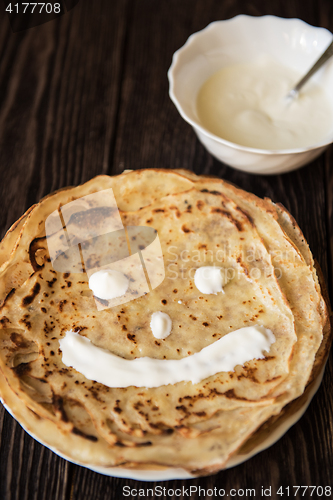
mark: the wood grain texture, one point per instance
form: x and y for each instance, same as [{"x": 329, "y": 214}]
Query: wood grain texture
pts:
[{"x": 88, "y": 94}]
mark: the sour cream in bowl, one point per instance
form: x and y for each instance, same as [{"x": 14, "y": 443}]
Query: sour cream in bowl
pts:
[{"x": 229, "y": 81}]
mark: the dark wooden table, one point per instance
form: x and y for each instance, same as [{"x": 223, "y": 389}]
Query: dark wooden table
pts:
[{"x": 86, "y": 94}]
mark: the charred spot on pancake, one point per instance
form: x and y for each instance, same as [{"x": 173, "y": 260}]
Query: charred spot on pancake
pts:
[
  {"x": 78, "y": 329},
  {"x": 160, "y": 426},
  {"x": 210, "y": 192},
  {"x": 51, "y": 282},
  {"x": 200, "y": 413},
  {"x": 19, "y": 340},
  {"x": 58, "y": 406},
  {"x": 21, "y": 369},
  {"x": 36, "y": 252},
  {"x": 34, "y": 292},
  {"x": 182, "y": 408},
  {"x": 247, "y": 215},
  {"x": 164, "y": 301},
  {"x": 249, "y": 373},
  {"x": 158, "y": 210},
  {"x": 61, "y": 305},
  {"x": 185, "y": 229},
  {"x": 245, "y": 268},
  {"x": 272, "y": 379},
  {"x": 230, "y": 394},
  {"x": 177, "y": 212},
  {"x": 25, "y": 321},
  {"x": 82, "y": 434},
  {"x": 9, "y": 294},
  {"x": 137, "y": 405},
  {"x": 48, "y": 328},
  {"x": 233, "y": 220},
  {"x": 4, "y": 321},
  {"x": 94, "y": 391}
]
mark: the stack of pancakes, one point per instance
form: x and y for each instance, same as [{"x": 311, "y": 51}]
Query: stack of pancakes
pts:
[{"x": 269, "y": 280}]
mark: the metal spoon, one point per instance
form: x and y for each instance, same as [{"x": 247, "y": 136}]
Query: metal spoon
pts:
[{"x": 318, "y": 64}]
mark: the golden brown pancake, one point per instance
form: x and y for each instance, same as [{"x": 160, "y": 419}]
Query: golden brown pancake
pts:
[{"x": 269, "y": 280}]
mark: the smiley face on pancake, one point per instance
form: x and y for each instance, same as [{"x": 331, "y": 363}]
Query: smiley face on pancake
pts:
[{"x": 257, "y": 278}]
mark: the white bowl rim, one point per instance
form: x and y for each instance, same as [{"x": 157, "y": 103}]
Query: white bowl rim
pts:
[{"x": 204, "y": 131}]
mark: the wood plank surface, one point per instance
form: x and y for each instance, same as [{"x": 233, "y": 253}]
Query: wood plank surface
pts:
[{"x": 87, "y": 94}]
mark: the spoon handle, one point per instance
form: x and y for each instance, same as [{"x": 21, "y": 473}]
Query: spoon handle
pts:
[{"x": 318, "y": 64}]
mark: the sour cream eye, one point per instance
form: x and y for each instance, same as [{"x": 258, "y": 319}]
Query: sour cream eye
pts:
[
  {"x": 108, "y": 284},
  {"x": 209, "y": 279}
]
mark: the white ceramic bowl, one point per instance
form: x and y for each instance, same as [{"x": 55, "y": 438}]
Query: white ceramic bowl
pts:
[{"x": 290, "y": 42}]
